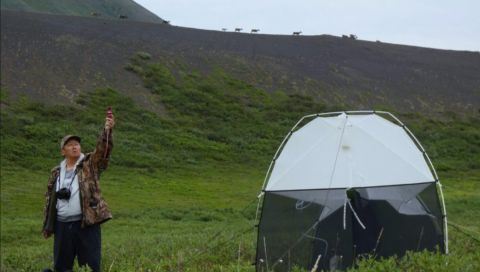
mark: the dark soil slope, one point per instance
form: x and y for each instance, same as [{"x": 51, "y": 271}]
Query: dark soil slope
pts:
[
  {"x": 54, "y": 58},
  {"x": 104, "y": 8}
]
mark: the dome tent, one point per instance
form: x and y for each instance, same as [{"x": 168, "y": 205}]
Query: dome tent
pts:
[{"x": 348, "y": 184}]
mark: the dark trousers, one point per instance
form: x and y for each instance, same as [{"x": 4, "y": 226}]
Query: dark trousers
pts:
[{"x": 71, "y": 240}]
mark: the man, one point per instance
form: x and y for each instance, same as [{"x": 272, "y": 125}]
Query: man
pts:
[{"x": 75, "y": 206}]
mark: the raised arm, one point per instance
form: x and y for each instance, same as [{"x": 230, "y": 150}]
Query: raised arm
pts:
[{"x": 101, "y": 155}]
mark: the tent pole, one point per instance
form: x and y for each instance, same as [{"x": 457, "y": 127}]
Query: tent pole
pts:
[
  {"x": 434, "y": 172},
  {"x": 436, "y": 177},
  {"x": 445, "y": 218},
  {"x": 266, "y": 177},
  {"x": 254, "y": 226},
  {"x": 253, "y": 235},
  {"x": 443, "y": 202},
  {"x": 270, "y": 167}
]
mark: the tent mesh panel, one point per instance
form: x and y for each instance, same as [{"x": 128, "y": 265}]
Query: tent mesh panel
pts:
[{"x": 298, "y": 226}]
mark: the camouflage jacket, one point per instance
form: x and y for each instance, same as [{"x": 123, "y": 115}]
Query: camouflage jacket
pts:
[{"x": 94, "y": 207}]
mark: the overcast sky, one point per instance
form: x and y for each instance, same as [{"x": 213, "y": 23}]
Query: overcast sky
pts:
[{"x": 443, "y": 24}]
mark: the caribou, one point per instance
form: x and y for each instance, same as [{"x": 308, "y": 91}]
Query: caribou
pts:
[
  {"x": 122, "y": 16},
  {"x": 297, "y": 33},
  {"x": 224, "y": 29},
  {"x": 95, "y": 14},
  {"x": 165, "y": 22},
  {"x": 238, "y": 29},
  {"x": 254, "y": 30}
]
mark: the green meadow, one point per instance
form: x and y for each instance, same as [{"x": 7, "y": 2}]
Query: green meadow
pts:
[{"x": 183, "y": 186}]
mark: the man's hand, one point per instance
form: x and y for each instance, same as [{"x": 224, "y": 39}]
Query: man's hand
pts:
[
  {"x": 109, "y": 124},
  {"x": 46, "y": 234}
]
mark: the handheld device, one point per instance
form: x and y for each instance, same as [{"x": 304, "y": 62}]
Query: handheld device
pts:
[{"x": 109, "y": 113}]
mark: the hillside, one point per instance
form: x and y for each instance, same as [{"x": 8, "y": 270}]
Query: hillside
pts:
[
  {"x": 196, "y": 172},
  {"x": 54, "y": 58},
  {"x": 106, "y": 8},
  {"x": 185, "y": 177}
]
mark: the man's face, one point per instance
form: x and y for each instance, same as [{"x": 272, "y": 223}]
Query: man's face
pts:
[{"x": 72, "y": 149}]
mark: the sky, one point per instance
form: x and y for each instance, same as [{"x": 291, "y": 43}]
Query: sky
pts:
[{"x": 440, "y": 24}]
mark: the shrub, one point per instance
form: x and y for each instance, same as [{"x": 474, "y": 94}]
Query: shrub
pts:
[
  {"x": 5, "y": 95},
  {"x": 133, "y": 68},
  {"x": 144, "y": 55}
]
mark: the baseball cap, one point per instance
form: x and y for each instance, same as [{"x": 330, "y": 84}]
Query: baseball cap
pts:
[{"x": 68, "y": 138}]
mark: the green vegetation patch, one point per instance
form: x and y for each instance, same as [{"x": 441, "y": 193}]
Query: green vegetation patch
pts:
[
  {"x": 144, "y": 55},
  {"x": 177, "y": 186}
]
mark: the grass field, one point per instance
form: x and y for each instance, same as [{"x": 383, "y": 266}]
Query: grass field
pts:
[
  {"x": 194, "y": 222},
  {"x": 182, "y": 189}
]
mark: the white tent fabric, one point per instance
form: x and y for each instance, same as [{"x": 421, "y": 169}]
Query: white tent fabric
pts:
[{"x": 348, "y": 151}]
